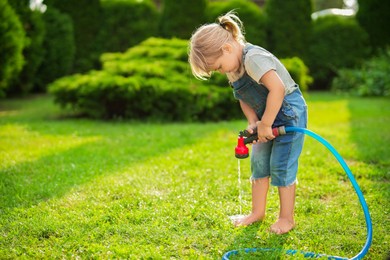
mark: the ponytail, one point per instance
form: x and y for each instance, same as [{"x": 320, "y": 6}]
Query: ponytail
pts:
[
  {"x": 233, "y": 24},
  {"x": 206, "y": 43}
]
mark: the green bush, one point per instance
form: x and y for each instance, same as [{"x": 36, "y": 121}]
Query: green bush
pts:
[
  {"x": 250, "y": 14},
  {"x": 11, "y": 46},
  {"x": 124, "y": 24},
  {"x": 149, "y": 81},
  {"x": 336, "y": 42},
  {"x": 58, "y": 46},
  {"x": 299, "y": 72},
  {"x": 372, "y": 79}
]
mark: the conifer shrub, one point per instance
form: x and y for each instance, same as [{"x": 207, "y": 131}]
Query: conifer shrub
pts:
[
  {"x": 33, "y": 51},
  {"x": 12, "y": 42},
  {"x": 288, "y": 26},
  {"x": 87, "y": 17},
  {"x": 124, "y": 24},
  {"x": 373, "y": 16},
  {"x": 179, "y": 18},
  {"x": 58, "y": 47}
]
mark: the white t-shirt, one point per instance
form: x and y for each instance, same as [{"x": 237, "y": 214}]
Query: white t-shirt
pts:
[{"x": 259, "y": 61}]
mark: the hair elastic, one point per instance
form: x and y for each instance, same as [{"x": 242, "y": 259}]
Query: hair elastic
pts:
[{"x": 223, "y": 25}]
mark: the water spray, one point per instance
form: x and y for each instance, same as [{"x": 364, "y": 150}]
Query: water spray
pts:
[{"x": 241, "y": 152}]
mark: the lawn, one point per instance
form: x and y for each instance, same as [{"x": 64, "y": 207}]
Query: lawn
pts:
[{"x": 79, "y": 188}]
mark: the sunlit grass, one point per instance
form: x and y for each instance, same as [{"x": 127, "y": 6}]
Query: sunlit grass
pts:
[{"x": 74, "y": 188}]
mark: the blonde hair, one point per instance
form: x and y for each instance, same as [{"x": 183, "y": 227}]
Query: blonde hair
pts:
[{"x": 206, "y": 43}]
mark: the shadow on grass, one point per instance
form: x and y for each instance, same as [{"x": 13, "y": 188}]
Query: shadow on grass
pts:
[
  {"x": 104, "y": 148},
  {"x": 52, "y": 175}
]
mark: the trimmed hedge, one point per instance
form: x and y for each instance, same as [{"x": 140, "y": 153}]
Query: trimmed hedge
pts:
[
  {"x": 152, "y": 81},
  {"x": 149, "y": 81}
]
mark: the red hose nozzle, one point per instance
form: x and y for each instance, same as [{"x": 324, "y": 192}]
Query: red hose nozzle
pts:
[
  {"x": 244, "y": 138},
  {"x": 241, "y": 150}
]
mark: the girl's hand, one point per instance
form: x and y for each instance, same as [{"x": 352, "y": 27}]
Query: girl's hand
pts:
[
  {"x": 251, "y": 127},
  {"x": 264, "y": 132}
]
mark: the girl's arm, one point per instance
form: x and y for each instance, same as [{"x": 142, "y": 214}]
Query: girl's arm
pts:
[
  {"x": 250, "y": 115},
  {"x": 275, "y": 98}
]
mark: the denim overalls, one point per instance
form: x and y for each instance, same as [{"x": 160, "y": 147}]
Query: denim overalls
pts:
[{"x": 278, "y": 158}]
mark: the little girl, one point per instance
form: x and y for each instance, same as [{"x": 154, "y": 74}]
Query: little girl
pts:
[{"x": 269, "y": 98}]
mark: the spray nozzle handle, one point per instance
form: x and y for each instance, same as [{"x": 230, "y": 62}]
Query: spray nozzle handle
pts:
[
  {"x": 244, "y": 138},
  {"x": 249, "y": 138}
]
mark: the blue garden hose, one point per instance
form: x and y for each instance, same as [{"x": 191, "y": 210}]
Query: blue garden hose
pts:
[{"x": 359, "y": 193}]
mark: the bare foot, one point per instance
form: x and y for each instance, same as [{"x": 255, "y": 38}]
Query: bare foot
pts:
[
  {"x": 247, "y": 220},
  {"x": 282, "y": 226}
]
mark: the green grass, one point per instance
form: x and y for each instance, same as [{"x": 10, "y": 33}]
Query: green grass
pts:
[{"x": 78, "y": 188}]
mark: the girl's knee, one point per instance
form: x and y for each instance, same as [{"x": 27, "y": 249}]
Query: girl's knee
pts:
[{"x": 259, "y": 180}]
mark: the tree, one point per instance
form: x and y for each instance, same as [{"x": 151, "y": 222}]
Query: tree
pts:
[
  {"x": 87, "y": 17},
  {"x": 336, "y": 42},
  {"x": 373, "y": 16},
  {"x": 288, "y": 26},
  {"x": 58, "y": 46},
  {"x": 180, "y": 17},
  {"x": 124, "y": 24},
  {"x": 34, "y": 28},
  {"x": 12, "y": 38}
]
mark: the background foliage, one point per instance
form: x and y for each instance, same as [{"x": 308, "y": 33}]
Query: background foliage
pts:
[
  {"x": 65, "y": 39},
  {"x": 371, "y": 79}
]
